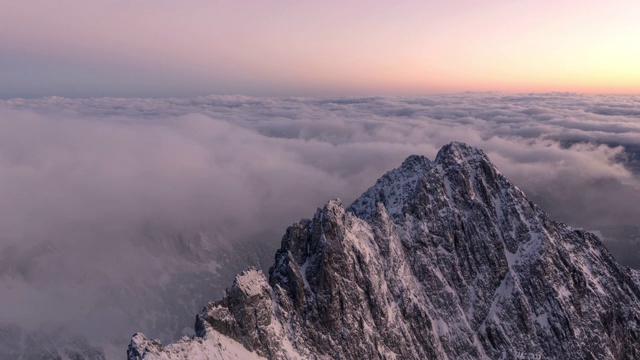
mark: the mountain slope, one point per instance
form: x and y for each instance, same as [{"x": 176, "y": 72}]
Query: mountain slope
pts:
[{"x": 439, "y": 259}]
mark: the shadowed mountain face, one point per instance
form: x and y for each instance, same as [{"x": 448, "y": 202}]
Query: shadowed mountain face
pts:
[{"x": 439, "y": 259}]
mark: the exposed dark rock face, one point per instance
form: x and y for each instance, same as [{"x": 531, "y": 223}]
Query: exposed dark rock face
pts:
[{"x": 439, "y": 259}]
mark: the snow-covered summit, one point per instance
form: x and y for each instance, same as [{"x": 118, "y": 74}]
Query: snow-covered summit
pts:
[
  {"x": 458, "y": 152},
  {"x": 395, "y": 188},
  {"x": 251, "y": 282},
  {"x": 439, "y": 259}
]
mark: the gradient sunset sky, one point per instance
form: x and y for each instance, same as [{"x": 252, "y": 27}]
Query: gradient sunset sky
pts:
[{"x": 160, "y": 48}]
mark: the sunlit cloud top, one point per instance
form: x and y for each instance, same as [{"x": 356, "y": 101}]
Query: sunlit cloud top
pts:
[{"x": 184, "y": 48}]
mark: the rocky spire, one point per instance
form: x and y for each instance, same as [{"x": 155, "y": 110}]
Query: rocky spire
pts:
[{"x": 442, "y": 259}]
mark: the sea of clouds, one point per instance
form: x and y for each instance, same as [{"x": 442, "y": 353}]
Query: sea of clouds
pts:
[{"x": 95, "y": 192}]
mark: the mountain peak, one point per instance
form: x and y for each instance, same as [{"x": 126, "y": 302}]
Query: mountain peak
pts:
[
  {"x": 393, "y": 189},
  {"x": 415, "y": 162},
  {"x": 459, "y": 152},
  {"x": 443, "y": 259},
  {"x": 455, "y": 162}
]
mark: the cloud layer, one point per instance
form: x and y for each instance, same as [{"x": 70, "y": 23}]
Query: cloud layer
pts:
[{"x": 100, "y": 196}]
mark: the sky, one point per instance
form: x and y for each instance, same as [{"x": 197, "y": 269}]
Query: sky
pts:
[{"x": 163, "y": 48}]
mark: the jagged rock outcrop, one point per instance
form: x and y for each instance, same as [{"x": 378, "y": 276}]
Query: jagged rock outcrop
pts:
[{"x": 439, "y": 259}]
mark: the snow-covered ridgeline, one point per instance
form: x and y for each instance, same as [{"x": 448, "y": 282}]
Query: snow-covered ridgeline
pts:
[{"x": 439, "y": 259}]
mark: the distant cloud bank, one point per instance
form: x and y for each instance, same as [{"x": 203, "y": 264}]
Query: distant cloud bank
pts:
[
  {"x": 83, "y": 178},
  {"x": 181, "y": 159}
]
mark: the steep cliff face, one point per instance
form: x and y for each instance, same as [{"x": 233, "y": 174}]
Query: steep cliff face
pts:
[{"x": 439, "y": 259}]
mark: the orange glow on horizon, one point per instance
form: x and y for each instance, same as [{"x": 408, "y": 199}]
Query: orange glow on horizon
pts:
[{"x": 289, "y": 47}]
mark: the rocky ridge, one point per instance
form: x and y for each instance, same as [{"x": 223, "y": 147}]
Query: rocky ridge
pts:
[{"x": 439, "y": 259}]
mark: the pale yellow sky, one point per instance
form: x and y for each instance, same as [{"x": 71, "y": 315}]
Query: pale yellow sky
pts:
[{"x": 185, "y": 48}]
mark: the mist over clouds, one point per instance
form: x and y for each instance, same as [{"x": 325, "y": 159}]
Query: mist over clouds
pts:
[{"x": 102, "y": 197}]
